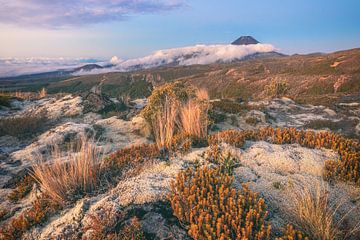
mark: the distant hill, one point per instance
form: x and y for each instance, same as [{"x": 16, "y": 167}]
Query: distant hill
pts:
[{"x": 88, "y": 67}]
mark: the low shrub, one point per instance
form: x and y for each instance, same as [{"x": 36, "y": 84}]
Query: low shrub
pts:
[
  {"x": 277, "y": 88},
  {"x": 292, "y": 234},
  {"x": 106, "y": 225},
  {"x": 22, "y": 189},
  {"x": 229, "y": 106},
  {"x": 39, "y": 211},
  {"x": 321, "y": 124},
  {"x": 224, "y": 159},
  {"x": 4, "y": 101},
  {"x": 130, "y": 158},
  {"x": 175, "y": 92},
  {"x": 206, "y": 204},
  {"x": 3, "y": 213},
  {"x": 22, "y": 126}
]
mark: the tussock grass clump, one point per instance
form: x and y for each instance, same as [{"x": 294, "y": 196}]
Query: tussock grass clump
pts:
[
  {"x": 193, "y": 119},
  {"x": 206, "y": 204},
  {"x": 164, "y": 124},
  {"x": 20, "y": 126},
  {"x": 316, "y": 216},
  {"x": 174, "y": 109},
  {"x": 66, "y": 177}
]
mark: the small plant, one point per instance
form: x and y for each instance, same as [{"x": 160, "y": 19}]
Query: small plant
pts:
[
  {"x": 65, "y": 180},
  {"x": 105, "y": 225},
  {"x": 3, "y": 213},
  {"x": 42, "y": 93},
  {"x": 206, "y": 204},
  {"x": 251, "y": 120},
  {"x": 39, "y": 211},
  {"x": 132, "y": 231},
  {"x": 4, "y": 101},
  {"x": 277, "y": 88},
  {"x": 130, "y": 158},
  {"x": 22, "y": 189},
  {"x": 222, "y": 158},
  {"x": 292, "y": 234}
]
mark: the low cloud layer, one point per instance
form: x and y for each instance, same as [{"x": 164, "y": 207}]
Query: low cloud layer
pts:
[
  {"x": 11, "y": 67},
  {"x": 198, "y": 54},
  {"x": 55, "y": 14}
]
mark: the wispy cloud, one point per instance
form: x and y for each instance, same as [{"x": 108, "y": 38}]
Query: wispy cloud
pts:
[{"x": 64, "y": 13}]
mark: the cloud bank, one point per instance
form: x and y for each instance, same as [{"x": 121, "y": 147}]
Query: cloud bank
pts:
[
  {"x": 11, "y": 67},
  {"x": 198, "y": 54},
  {"x": 55, "y": 14}
]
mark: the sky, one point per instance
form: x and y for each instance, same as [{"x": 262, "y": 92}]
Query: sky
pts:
[{"x": 134, "y": 28}]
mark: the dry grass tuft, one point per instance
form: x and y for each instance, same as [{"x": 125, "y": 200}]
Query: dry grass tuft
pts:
[
  {"x": 66, "y": 177},
  {"x": 315, "y": 216},
  {"x": 193, "y": 119},
  {"x": 164, "y": 124},
  {"x": 42, "y": 93},
  {"x": 202, "y": 94}
]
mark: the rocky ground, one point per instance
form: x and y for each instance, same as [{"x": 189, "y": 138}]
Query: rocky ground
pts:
[{"x": 274, "y": 171}]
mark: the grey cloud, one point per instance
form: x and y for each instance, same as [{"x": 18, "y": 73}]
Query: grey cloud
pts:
[{"x": 58, "y": 14}]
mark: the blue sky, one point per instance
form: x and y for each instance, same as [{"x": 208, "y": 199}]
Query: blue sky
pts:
[{"x": 128, "y": 28}]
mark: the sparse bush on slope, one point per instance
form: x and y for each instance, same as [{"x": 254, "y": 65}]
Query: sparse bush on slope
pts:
[{"x": 174, "y": 109}]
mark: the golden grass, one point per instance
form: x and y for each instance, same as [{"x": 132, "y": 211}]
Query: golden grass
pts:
[
  {"x": 202, "y": 94},
  {"x": 164, "y": 124},
  {"x": 193, "y": 120},
  {"x": 42, "y": 93},
  {"x": 65, "y": 177},
  {"x": 316, "y": 216}
]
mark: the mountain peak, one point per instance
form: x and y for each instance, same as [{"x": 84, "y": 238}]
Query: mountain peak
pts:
[{"x": 245, "y": 40}]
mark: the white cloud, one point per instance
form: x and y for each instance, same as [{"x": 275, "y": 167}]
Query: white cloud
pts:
[
  {"x": 198, "y": 54},
  {"x": 10, "y": 67}
]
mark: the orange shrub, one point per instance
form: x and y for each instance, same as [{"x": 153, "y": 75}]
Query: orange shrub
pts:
[{"x": 204, "y": 201}]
